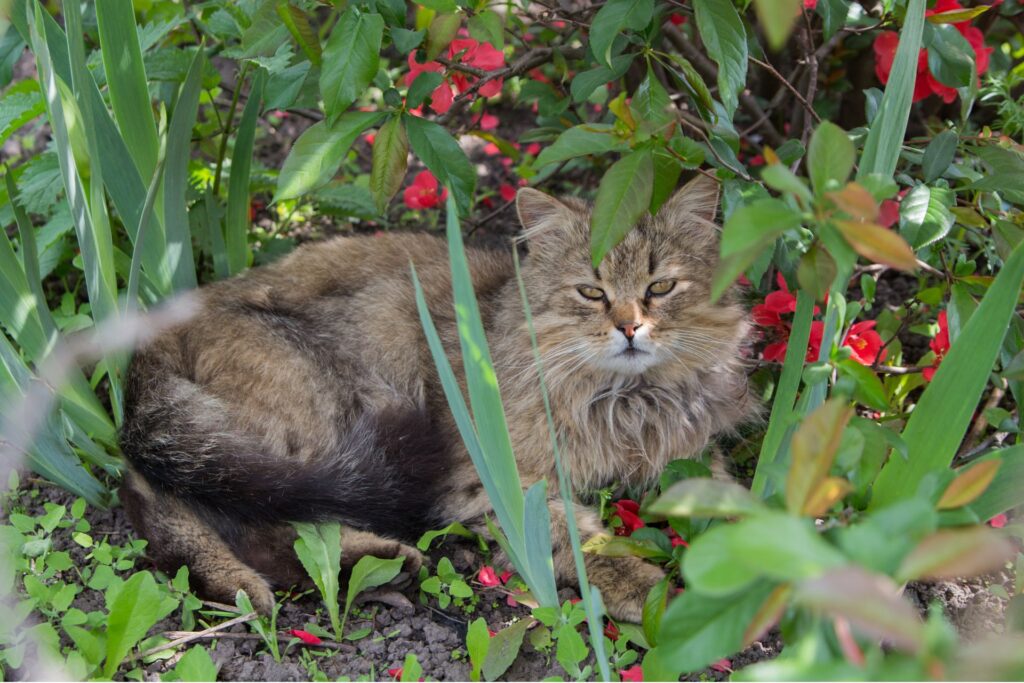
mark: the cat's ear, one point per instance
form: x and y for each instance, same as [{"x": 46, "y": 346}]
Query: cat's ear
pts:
[
  {"x": 537, "y": 210},
  {"x": 696, "y": 199}
]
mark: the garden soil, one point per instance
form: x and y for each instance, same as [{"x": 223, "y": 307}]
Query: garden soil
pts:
[{"x": 400, "y": 624}]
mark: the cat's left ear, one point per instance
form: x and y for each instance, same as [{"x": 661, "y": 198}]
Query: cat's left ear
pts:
[{"x": 696, "y": 199}]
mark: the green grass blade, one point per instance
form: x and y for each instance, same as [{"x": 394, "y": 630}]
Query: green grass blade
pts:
[
  {"x": 237, "y": 225},
  {"x": 463, "y": 420},
  {"x": 22, "y": 310},
  {"x": 30, "y": 258},
  {"x": 940, "y": 420},
  {"x": 592, "y": 603},
  {"x": 481, "y": 381},
  {"x": 785, "y": 393},
  {"x": 132, "y": 293},
  {"x": 178, "y": 259},
  {"x": 885, "y": 137},
  {"x": 537, "y": 543},
  {"x": 126, "y": 82},
  {"x": 91, "y": 221}
]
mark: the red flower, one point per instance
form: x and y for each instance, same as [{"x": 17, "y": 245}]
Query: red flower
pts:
[
  {"x": 629, "y": 512},
  {"x": 926, "y": 84},
  {"x": 939, "y": 346},
  {"x": 810, "y": 4},
  {"x": 505, "y": 576},
  {"x": 611, "y": 631},
  {"x": 487, "y": 577},
  {"x": 488, "y": 121},
  {"x": 395, "y": 673},
  {"x": 888, "y": 213},
  {"x": 470, "y": 52},
  {"x": 423, "y": 194},
  {"x": 677, "y": 19},
  {"x": 775, "y": 351},
  {"x": 722, "y": 665},
  {"x": 508, "y": 193},
  {"x": 998, "y": 522},
  {"x": 633, "y": 673},
  {"x": 306, "y": 637},
  {"x": 865, "y": 343},
  {"x": 676, "y": 539}
]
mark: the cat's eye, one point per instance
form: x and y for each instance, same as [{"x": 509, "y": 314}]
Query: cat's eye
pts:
[
  {"x": 661, "y": 288},
  {"x": 592, "y": 293}
]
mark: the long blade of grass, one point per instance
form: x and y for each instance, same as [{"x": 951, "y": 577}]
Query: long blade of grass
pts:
[
  {"x": 785, "y": 394},
  {"x": 126, "y": 82},
  {"x": 940, "y": 420},
  {"x": 91, "y": 222},
  {"x": 885, "y": 137},
  {"x": 481, "y": 381},
  {"x": 178, "y": 259},
  {"x": 237, "y": 224},
  {"x": 30, "y": 258},
  {"x": 463, "y": 420},
  {"x": 132, "y": 293},
  {"x": 592, "y": 603}
]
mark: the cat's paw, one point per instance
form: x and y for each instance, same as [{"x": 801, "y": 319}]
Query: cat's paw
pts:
[
  {"x": 414, "y": 559},
  {"x": 259, "y": 592},
  {"x": 624, "y": 584}
]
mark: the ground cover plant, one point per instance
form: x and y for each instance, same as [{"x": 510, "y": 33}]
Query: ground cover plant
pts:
[{"x": 872, "y": 177}]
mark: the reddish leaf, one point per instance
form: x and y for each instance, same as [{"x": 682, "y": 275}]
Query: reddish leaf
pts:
[
  {"x": 970, "y": 482},
  {"x": 953, "y": 553},
  {"x": 879, "y": 245},
  {"x": 814, "y": 447}
]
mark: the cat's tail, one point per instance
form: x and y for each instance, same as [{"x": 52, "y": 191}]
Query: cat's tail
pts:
[{"x": 385, "y": 475}]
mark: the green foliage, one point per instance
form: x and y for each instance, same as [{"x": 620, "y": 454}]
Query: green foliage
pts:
[{"x": 318, "y": 548}]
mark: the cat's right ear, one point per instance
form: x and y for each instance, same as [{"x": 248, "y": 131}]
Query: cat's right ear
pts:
[{"x": 538, "y": 211}]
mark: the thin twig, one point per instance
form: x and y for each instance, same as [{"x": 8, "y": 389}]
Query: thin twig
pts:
[
  {"x": 191, "y": 636},
  {"x": 789, "y": 86},
  {"x": 281, "y": 638}
]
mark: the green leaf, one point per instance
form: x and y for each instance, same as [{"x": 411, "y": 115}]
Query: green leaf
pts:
[
  {"x": 585, "y": 82},
  {"x": 925, "y": 215},
  {"x": 869, "y": 601},
  {"x": 439, "y": 151},
  {"x": 194, "y": 665},
  {"x": 1007, "y": 491},
  {"x": 622, "y": 198},
  {"x": 570, "y": 649},
  {"x": 730, "y": 557},
  {"x": 319, "y": 151},
  {"x": 369, "y": 572},
  {"x": 957, "y": 553},
  {"x": 488, "y": 26},
  {"x": 236, "y": 224},
  {"x": 126, "y": 82},
  {"x": 175, "y": 260},
  {"x": 478, "y": 641},
  {"x": 746, "y": 233},
  {"x": 454, "y": 528},
  {"x": 780, "y": 178},
  {"x": 390, "y": 155},
  {"x": 588, "y": 138},
  {"x": 424, "y": 85},
  {"x": 813, "y": 449},
  {"x": 723, "y": 34},
  {"x": 777, "y": 18},
  {"x": 833, "y": 15},
  {"x": 889, "y": 126},
  {"x": 21, "y": 103},
  {"x": 133, "y": 610},
  {"x": 698, "y": 629},
  {"x": 441, "y": 32},
  {"x": 406, "y": 41},
  {"x": 654, "y": 610},
  {"x": 700, "y": 497},
  {"x": 950, "y": 56},
  {"x": 318, "y": 548},
  {"x": 939, "y": 155},
  {"x": 504, "y": 648},
  {"x": 695, "y": 87},
  {"x": 302, "y": 31},
  {"x": 937, "y": 425},
  {"x": 869, "y": 389},
  {"x": 351, "y": 58},
  {"x": 830, "y": 157},
  {"x": 614, "y": 17}
]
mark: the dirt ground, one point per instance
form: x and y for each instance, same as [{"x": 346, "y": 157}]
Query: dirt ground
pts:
[{"x": 399, "y": 624}]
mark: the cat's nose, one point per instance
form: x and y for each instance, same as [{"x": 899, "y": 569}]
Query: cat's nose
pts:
[{"x": 629, "y": 329}]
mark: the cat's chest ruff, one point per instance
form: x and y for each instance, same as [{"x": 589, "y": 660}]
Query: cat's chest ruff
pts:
[{"x": 630, "y": 433}]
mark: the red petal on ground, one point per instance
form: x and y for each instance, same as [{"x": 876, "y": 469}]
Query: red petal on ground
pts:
[{"x": 305, "y": 636}]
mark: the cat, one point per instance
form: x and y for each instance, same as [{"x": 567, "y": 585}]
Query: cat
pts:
[{"x": 304, "y": 391}]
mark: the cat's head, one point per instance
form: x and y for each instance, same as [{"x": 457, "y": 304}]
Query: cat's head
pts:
[{"x": 646, "y": 310}]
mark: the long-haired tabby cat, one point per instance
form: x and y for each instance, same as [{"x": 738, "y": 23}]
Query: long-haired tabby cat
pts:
[{"x": 305, "y": 390}]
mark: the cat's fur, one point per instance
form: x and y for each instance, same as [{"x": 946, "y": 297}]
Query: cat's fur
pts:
[{"x": 305, "y": 390}]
